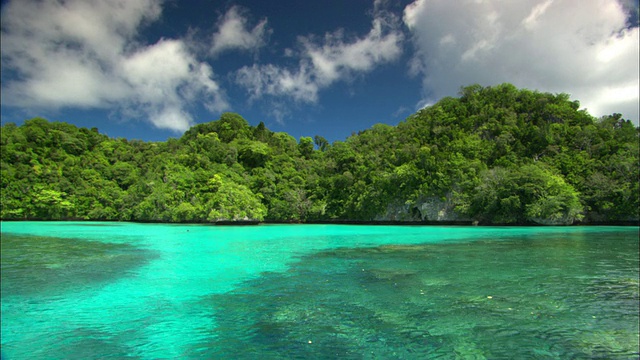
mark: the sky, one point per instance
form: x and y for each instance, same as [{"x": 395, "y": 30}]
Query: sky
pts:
[{"x": 150, "y": 69}]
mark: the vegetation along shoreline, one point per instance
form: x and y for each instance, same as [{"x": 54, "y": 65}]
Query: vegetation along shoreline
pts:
[
  {"x": 493, "y": 156},
  {"x": 335, "y": 222}
]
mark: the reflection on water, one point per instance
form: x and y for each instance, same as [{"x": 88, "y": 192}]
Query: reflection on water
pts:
[{"x": 333, "y": 292}]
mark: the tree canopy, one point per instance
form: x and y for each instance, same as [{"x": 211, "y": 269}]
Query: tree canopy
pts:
[{"x": 493, "y": 155}]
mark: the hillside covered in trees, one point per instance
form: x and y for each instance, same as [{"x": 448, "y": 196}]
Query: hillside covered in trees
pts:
[{"x": 495, "y": 155}]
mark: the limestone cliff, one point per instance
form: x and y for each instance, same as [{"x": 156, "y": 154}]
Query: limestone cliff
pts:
[{"x": 427, "y": 209}]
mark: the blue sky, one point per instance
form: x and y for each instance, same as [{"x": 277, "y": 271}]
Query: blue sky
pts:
[{"x": 150, "y": 69}]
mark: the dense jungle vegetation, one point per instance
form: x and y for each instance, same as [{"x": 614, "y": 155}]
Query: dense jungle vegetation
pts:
[{"x": 494, "y": 155}]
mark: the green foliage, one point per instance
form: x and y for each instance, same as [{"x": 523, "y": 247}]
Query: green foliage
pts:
[
  {"x": 495, "y": 154},
  {"x": 232, "y": 201},
  {"x": 253, "y": 153},
  {"x": 305, "y": 146},
  {"x": 528, "y": 194},
  {"x": 321, "y": 142}
]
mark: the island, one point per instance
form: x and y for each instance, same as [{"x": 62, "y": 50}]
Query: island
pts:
[{"x": 493, "y": 155}]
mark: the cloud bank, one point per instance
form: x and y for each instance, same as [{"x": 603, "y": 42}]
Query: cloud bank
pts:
[
  {"x": 92, "y": 54},
  {"x": 85, "y": 54},
  {"x": 583, "y": 48}
]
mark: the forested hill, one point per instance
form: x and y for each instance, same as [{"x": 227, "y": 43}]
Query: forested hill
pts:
[{"x": 494, "y": 155}]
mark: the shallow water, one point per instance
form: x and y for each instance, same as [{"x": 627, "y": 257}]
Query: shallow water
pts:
[{"x": 148, "y": 291}]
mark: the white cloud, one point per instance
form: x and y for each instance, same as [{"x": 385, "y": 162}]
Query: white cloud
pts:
[
  {"x": 536, "y": 12},
  {"x": 166, "y": 76},
  {"x": 82, "y": 53},
  {"x": 233, "y": 33},
  {"x": 335, "y": 59},
  {"x": 321, "y": 65},
  {"x": 262, "y": 80},
  {"x": 584, "y": 49}
]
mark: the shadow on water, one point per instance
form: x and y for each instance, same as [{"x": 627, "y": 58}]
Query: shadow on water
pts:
[
  {"x": 39, "y": 274},
  {"x": 544, "y": 298},
  {"x": 50, "y": 265}
]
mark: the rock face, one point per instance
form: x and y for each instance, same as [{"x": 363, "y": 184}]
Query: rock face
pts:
[
  {"x": 442, "y": 209},
  {"x": 428, "y": 209},
  {"x": 598, "y": 218},
  {"x": 397, "y": 212},
  {"x": 565, "y": 220},
  {"x": 439, "y": 209}
]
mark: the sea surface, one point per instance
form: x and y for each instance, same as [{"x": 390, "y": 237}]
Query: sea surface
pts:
[{"x": 89, "y": 290}]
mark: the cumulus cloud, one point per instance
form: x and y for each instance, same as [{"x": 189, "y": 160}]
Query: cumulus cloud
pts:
[
  {"x": 233, "y": 33},
  {"x": 586, "y": 49},
  {"x": 165, "y": 76},
  {"x": 81, "y": 53},
  {"x": 322, "y": 64},
  {"x": 270, "y": 79}
]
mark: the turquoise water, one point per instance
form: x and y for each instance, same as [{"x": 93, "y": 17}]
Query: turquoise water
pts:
[{"x": 148, "y": 291}]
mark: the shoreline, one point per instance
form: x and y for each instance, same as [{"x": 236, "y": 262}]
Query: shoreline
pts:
[{"x": 344, "y": 222}]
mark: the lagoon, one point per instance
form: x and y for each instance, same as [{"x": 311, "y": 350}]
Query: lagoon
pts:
[{"x": 80, "y": 290}]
